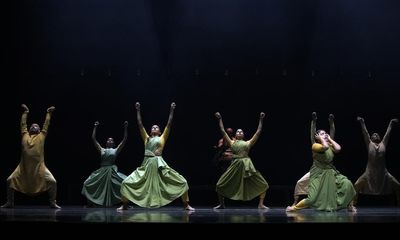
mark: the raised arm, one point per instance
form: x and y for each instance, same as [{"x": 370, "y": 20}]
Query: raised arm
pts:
[
  {"x": 364, "y": 131},
  {"x": 122, "y": 143},
  {"x": 255, "y": 137},
  {"x": 332, "y": 128},
  {"x": 225, "y": 136},
  {"x": 96, "y": 144},
  {"x": 313, "y": 129},
  {"x": 388, "y": 130},
  {"x": 142, "y": 130},
  {"x": 46, "y": 124},
  {"x": 165, "y": 133},
  {"x": 335, "y": 146},
  {"x": 24, "y": 127}
]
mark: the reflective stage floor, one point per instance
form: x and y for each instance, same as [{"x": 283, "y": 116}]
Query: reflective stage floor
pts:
[{"x": 202, "y": 215}]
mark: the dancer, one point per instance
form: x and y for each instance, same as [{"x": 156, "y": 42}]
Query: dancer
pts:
[
  {"x": 301, "y": 187},
  {"x": 154, "y": 184},
  {"x": 241, "y": 181},
  {"x": 223, "y": 155},
  {"x": 31, "y": 176},
  {"x": 103, "y": 186},
  {"x": 328, "y": 190},
  {"x": 376, "y": 180}
]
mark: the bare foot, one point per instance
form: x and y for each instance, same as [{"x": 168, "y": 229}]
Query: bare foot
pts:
[
  {"x": 290, "y": 209},
  {"x": 352, "y": 209},
  {"x": 54, "y": 206},
  {"x": 219, "y": 207},
  {"x": 122, "y": 208},
  {"x": 8, "y": 205},
  {"x": 189, "y": 208},
  {"x": 262, "y": 206}
]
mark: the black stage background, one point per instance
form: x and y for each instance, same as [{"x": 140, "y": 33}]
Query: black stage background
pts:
[{"x": 94, "y": 59}]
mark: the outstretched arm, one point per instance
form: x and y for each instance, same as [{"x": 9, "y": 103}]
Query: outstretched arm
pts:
[
  {"x": 332, "y": 128},
  {"x": 255, "y": 137},
  {"x": 142, "y": 130},
  {"x": 46, "y": 124},
  {"x": 388, "y": 130},
  {"x": 24, "y": 128},
  {"x": 122, "y": 143},
  {"x": 221, "y": 127},
  {"x": 96, "y": 144},
  {"x": 364, "y": 130},
  {"x": 165, "y": 133},
  {"x": 313, "y": 129}
]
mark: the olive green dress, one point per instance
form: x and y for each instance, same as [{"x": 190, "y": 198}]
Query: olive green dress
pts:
[
  {"x": 241, "y": 181},
  {"x": 328, "y": 189}
]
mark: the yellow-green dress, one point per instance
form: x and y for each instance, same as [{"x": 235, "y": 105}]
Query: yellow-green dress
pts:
[{"x": 154, "y": 184}]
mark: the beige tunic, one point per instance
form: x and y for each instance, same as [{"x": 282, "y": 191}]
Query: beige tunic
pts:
[
  {"x": 376, "y": 179},
  {"x": 31, "y": 175}
]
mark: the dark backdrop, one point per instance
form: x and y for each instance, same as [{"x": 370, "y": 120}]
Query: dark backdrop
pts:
[{"x": 94, "y": 59}]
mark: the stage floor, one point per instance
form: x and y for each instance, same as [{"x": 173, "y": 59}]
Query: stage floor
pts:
[{"x": 203, "y": 215}]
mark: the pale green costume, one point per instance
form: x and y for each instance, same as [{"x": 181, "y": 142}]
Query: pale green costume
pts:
[
  {"x": 103, "y": 185},
  {"x": 154, "y": 184}
]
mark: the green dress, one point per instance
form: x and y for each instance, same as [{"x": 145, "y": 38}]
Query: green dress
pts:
[
  {"x": 153, "y": 184},
  {"x": 328, "y": 190},
  {"x": 241, "y": 181},
  {"x": 103, "y": 185}
]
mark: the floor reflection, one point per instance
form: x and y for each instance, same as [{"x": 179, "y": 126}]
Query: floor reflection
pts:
[
  {"x": 319, "y": 216},
  {"x": 76, "y": 214},
  {"x": 156, "y": 216},
  {"x": 238, "y": 216},
  {"x": 29, "y": 214},
  {"x": 101, "y": 215}
]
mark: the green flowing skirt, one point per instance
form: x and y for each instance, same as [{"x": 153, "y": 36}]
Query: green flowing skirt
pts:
[
  {"x": 329, "y": 190},
  {"x": 241, "y": 181},
  {"x": 103, "y": 186},
  {"x": 153, "y": 184}
]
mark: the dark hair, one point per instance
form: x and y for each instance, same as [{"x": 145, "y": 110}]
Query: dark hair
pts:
[{"x": 229, "y": 131}]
